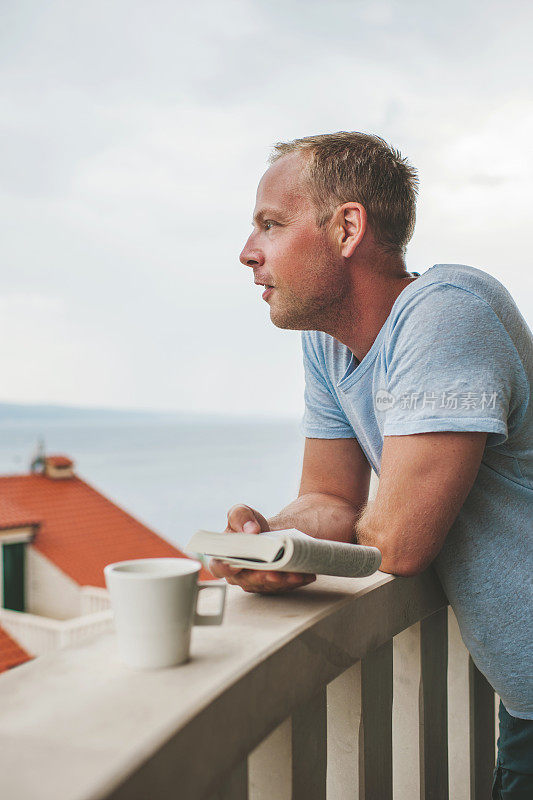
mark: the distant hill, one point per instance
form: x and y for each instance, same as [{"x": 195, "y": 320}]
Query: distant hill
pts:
[
  {"x": 37, "y": 413},
  {"x": 24, "y": 413}
]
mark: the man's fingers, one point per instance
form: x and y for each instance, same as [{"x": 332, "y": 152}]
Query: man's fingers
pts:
[
  {"x": 222, "y": 570},
  {"x": 258, "y": 580},
  {"x": 244, "y": 518},
  {"x": 266, "y": 582},
  {"x": 281, "y": 584}
]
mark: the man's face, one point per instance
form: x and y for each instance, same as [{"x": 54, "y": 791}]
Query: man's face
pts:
[{"x": 289, "y": 252}]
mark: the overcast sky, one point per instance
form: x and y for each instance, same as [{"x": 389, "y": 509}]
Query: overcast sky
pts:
[{"x": 133, "y": 135}]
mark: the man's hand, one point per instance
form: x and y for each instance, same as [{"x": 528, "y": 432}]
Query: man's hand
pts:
[{"x": 244, "y": 519}]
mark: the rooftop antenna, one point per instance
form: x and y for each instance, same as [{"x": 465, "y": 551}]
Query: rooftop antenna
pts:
[{"x": 37, "y": 463}]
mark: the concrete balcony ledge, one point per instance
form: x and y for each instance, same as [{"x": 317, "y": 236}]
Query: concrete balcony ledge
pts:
[{"x": 79, "y": 725}]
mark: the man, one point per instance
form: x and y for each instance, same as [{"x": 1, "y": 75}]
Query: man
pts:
[{"x": 425, "y": 379}]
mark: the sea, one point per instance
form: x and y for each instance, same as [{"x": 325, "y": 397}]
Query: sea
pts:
[{"x": 175, "y": 473}]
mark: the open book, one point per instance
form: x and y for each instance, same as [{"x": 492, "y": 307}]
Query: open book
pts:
[{"x": 287, "y": 551}]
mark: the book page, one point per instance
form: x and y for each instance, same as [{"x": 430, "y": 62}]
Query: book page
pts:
[{"x": 325, "y": 557}]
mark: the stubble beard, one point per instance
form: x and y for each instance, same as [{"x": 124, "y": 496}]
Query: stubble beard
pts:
[
  {"x": 318, "y": 312},
  {"x": 322, "y": 299}
]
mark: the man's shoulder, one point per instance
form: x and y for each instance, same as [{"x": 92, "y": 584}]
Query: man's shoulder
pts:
[
  {"x": 453, "y": 311},
  {"x": 463, "y": 278},
  {"x": 454, "y": 289}
]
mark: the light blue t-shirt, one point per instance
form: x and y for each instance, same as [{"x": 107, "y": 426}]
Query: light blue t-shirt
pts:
[{"x": 453, "y": 355}]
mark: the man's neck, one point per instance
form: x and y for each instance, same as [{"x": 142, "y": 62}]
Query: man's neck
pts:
[{"x": 373, "y": 292}]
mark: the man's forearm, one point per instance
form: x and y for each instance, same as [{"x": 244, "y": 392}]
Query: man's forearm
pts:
[{"x": 323, "y": 516}]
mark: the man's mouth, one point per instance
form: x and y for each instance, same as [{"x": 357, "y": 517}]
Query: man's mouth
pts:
[{"x": 269, "y": 288}]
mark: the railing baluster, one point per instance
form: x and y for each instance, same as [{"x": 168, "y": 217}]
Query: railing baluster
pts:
[
  {"x": 270, "y": 765},
  {"x": 376, "y": 692},
  {"x": 458, "y": 713},
  {"x": 496, "y": 725},
  {"x": 234, "y": 786},
  {"x": 344, "y": 724},
  {"x": 405, "y": 714},
  {"x": 434, "y": 707},
  {"x": 481, "y": 734},
  {"x": 309, "y": 749}
]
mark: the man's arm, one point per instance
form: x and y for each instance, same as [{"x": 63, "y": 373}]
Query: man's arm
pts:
[
  {"x": 425, "y": 479},
  {"x": 333, "y": 492}
]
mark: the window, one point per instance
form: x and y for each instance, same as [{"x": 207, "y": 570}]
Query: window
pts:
[{"x": 14, "y": 576}]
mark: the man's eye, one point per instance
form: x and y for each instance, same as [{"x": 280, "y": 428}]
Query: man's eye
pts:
[{"x": 268, "y": 223}]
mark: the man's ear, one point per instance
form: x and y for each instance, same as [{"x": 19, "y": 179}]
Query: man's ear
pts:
[{"x": 351, "y": 224}]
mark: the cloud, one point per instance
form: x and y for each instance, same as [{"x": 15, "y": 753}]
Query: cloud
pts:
[
  {"x": 133, "y": 137},
  {"x": 18, "y": 304}
]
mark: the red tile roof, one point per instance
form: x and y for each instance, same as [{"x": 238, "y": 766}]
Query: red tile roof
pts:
[
  {"x": 81, "y": 530},
  {"x": 12, "y": 516},
  {"x": 11, "y": 653}
]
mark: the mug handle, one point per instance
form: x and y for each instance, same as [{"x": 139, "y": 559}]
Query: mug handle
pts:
[{"x": 211, "y": 619}]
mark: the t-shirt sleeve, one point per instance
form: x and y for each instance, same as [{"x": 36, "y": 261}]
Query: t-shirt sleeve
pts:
[
  {"x": 323, "y": 416},
  {"x": 452, "y": 366}
]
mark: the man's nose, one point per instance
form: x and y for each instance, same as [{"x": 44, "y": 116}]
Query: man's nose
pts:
[{"x": 250, "y": 255}]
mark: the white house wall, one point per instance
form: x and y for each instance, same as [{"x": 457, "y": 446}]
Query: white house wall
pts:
[{"x": 49, "y": 592}]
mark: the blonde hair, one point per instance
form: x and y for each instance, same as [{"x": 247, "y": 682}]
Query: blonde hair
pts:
[{"x": 349, "y": 166}]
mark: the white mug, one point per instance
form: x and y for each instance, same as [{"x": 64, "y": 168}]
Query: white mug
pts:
[{"x": 154, "y": 603}]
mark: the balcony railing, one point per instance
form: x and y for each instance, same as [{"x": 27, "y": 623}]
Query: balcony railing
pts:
[
  {"x": 41, "y": 635},
  {"x": 94, "y": 599},
  {"x": 349, "y": 688}
]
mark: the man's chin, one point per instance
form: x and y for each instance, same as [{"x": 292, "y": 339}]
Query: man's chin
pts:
[{"x": 288, "y": 322}]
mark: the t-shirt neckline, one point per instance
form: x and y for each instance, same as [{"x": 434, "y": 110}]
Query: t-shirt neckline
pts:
[{"x": 355, "y": 370}]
